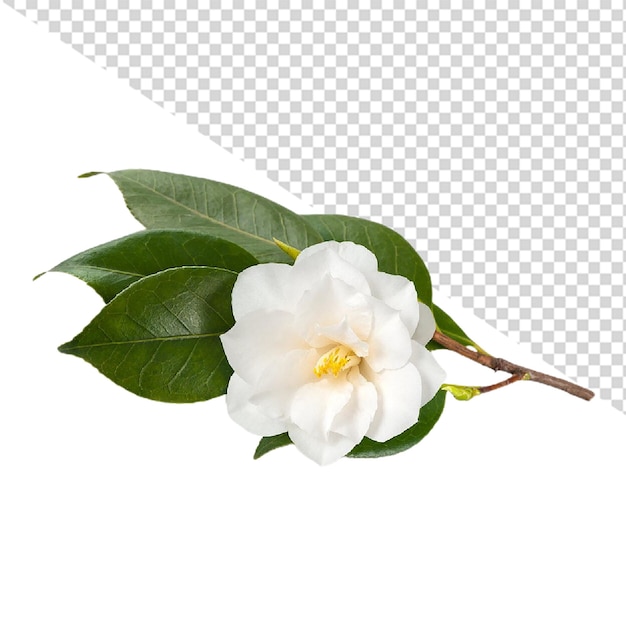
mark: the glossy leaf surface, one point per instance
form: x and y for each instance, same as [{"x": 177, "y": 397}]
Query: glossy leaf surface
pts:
[
  {"x": 163, "y": 200},
  {"x": 115, "y": 265},
  {"x": 159, "y": 338},
  {"x": 267, "y": 444}
]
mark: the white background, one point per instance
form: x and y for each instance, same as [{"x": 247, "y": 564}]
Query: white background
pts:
[{"x": 119, "y": 510}]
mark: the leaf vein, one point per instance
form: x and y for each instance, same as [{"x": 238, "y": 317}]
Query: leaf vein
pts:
[
  {"x": 145, "y": 340},
  {"x": 198, "y": 213}
]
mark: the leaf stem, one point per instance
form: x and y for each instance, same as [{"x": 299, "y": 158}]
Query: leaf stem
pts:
[{"x": 502, "y": 365}]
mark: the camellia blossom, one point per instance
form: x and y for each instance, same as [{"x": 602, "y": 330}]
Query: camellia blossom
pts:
[{"x": 328, "y": 350}]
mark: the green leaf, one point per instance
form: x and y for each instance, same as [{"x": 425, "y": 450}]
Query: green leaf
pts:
[
  {"x": 159, "y": 338},
  {"x": 113, "y": 266},
  {"x": 267, "y": 444},
  {"x": 429, "y": 414},
  {"x": 394, "y": 253},
  {"x": 163, "y": 200},
  {"x": 450, "y": 328}
]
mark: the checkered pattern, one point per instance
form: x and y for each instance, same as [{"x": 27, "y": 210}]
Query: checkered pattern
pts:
[{"x": 493, "y": 138}]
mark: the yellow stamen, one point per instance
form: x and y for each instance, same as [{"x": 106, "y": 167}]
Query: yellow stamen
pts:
[{"x": 336, "y": 360}]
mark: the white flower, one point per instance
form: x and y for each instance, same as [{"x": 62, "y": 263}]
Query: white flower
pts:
[{"x": 328, "y": 350}]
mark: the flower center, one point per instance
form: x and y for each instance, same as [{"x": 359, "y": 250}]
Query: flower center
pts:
[{"x": 336, "y": 360}]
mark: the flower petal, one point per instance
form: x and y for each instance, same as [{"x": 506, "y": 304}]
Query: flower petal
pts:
[
  {"x": 399, "y": 293},
  {"x": 322, "y": 451},
  {"x": 333, "y": 312},
  {"x": 353, "y": 253},
  {"x": 355, "y": 418},
  {"x": 340, "y": 333},
  {"x": 275, "y": 387},
  {"x": 426, "y": 325},
  {"x": 399, "y": 401},
  {"x": 389, "y": 341},
  {"x": 431, "y": 372},
  {"x": 247, "y": 414},
  {"x": 257, "y": 339},
  {"x": 321, "y": 260},
  {"x": 265, "y": 287},
  {"x": 316, "y": 404},
  {"x": 288, "y": 316}
]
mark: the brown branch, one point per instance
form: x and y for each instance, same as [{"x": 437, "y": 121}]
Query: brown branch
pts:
[
  {"x": 502, "y": 365},
  {"x": 503, "y": 383}
]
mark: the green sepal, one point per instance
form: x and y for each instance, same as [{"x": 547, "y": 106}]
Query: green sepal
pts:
[{"x": 461, "y": 392}]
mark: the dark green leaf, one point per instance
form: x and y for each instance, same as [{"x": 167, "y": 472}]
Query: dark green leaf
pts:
[
  {"x": 450, "y": 328},
  {"x": 159, "y": 338},
  {"x": 113, "y": 266},
  {"x": 394, "y": 253},
  {"x": 429, "y": 414},
  {"x": 163, "y": 200},
  {"x": 267, "y": 444}
]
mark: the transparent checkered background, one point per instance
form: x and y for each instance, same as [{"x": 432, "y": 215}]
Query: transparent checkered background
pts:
[{"x": 493, "y": 139}]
